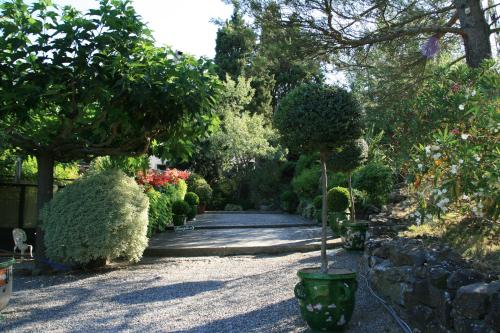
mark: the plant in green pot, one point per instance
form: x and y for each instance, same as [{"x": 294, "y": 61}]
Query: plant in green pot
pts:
[
  {"x": 193, "y": 201},
  {"x": 320, "y": 118},
  {"x": 347, "y": 159},
  {"x": 338, "y": 203},
  {"x": 180, "y": 208}
]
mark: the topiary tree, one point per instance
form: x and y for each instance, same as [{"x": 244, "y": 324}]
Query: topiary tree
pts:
[
  {"x": 338, "y": 199},
  {"x": 98, "y": 217},
  {"x": 347, "y": 159},
  {"x": 316, "y": 117}
]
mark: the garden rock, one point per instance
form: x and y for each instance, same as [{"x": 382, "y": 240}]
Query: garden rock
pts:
[
  {"x": 493, "y": 317},
  {"x": 464, "y": 277},
  {"x": 472, "y": 300}
]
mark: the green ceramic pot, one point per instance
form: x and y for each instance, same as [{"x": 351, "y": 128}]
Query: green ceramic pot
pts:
[
  {"x": 326, "y": 300},
  {"x": 354, "y": 235},
  {"x": 6, "y": 281},
  {"x": 179, "y": 220}
]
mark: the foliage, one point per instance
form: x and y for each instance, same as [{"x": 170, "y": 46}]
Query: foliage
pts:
[
  {"x": 160, "y": 211},
  {"x": 289, "y": 201},
  {"x": 306, "y": 184},
  {"x": 316, "y": 117},
  {"x": 101, "y": 216},
  {"x": 265, "y": 182},
  {"x": 232, "y": 207},
  {"x": 376, "y": 180},
  {"x": 89, "y": 84},
  {"x": 130, "y": 165},
  {"x": 191, "y": 214},
  {"x": 234, "y": 46},
  {"x": 349, "y": 157},
  {"x": 338, "y": 199},
  {"x": 180, "y": 207},
  {"x": 306, "y": 161},
  {"x": 456, "y": 158},
  {"x": 318, "y": 202},
  {"x": 199, "y": 185},
  {"x": 192, "y": 198}
]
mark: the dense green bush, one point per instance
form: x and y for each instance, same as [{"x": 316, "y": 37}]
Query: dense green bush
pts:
[
  {"x": 349, "y": 157},
  {"x": 199, "y": 185},
  {"x": 180, "y": 207},
  {"x": 376, "y": 180},
  {"x": 160, "y": 211},
  {"x": 307, "y": 183},
  {"x": 233, "y": 207},
  {"x": 193, "y": 210},
  {"x": 338, "y": 199},
  {"x": 289, "y": 201},
  {"x": 101, "y": 216},
  {"x": 318, "y": 202},
  {"x": 192, "y": 199}
]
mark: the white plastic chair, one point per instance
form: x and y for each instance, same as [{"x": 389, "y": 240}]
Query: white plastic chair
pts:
[{"x": 20, "y": 240}]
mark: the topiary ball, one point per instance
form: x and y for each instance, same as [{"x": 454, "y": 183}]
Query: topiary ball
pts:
[
  {"x": 338, "y": 199},
  {"x": 180, "y": 207},
  {"x": 318, "y": 202},
  {"x": 101, "y": 216},
  {"x": 318, "y": 117},
  {"x": 192, "y": 198}
]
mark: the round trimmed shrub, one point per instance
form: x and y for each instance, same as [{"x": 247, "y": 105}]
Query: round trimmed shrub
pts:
[
  {"x": 318, "y": 117},
  {"x": 192, "y": 212},
  {"x": 180, "y": 207},
  {"x": 289, "y": 201},
  {"x": 338, "y": 199},
  {"x": 192, "y": 198},
  {"x": 199, "y": 185},
  {"x": 101, "y": 216}
]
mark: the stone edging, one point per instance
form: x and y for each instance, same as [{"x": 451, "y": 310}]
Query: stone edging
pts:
[{"x": 433, "y": 288}]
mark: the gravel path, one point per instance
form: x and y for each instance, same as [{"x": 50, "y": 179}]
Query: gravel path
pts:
[{"x": 201, "y": 294}]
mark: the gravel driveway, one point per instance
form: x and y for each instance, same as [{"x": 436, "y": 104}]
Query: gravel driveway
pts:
[{"x": 201, "y": 294}]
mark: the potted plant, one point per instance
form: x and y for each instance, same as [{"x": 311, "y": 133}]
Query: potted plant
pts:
[
  {"x": 193, "y": 201},
  {"x": 317, "y": 117},
  {"x": 338, "y": 203},
  {"x": 346, "y": 159},
  {"x": 180, "y": 209}
]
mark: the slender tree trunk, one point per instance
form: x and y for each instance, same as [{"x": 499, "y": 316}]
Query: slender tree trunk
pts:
[
  {"x": 351, "y": 197},
  {"x": 324, "y": 214},
  {"x": 45, "y": 163},
  {"x": 477, "y": 39}
]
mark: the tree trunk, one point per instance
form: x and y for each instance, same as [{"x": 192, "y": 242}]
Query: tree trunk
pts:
[
  {"x": 477, "y": 32},
  {"x": 351, "y": 198},
  {"x": 324, "y": 214},
  {"x": 45, "y": 163}
]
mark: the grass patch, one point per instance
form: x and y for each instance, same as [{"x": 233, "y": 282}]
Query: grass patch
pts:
[{"x": 475, "y": 239}]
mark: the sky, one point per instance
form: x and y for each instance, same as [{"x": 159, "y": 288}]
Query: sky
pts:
[{"x": 183, "y": 24}]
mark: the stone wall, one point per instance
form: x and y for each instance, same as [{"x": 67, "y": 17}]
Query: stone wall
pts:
[{"x": 432, "y": 287}]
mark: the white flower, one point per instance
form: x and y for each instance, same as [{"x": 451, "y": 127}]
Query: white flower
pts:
[
  {"x": 436, "y": 156},
  {"x": 464, "y": 136},
  {"x": 461, "y": 107},
  {"x": 480, "y": 205},
  {"x": 444, "y": 191},
  {"x": 465, "y": 197},
  {"x": 477, "y": 158},
  {"x": 461, "y": 161},
  {"x": 427, "y": 150},
  {"x": 454, "y": 169},
  {"x": 473, "y": 93},
  {"x": 428, "y": 216},
  {"x": 435, "y": 148},
  {"x": 420, "y": 166}
]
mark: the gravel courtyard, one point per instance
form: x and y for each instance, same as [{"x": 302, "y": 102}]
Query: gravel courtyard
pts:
[{"x": 200, "y": 294}]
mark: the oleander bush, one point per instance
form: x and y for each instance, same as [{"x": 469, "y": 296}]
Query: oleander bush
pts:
[{"x": 101, "y": 216}]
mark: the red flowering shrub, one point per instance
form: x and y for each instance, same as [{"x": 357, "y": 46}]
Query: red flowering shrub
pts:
[{"x": 157, "y": 178}]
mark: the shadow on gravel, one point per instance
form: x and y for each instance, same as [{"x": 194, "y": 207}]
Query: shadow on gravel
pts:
[
  {"x": 272, "y": 318},
  {"x": 167, "y": 292}
]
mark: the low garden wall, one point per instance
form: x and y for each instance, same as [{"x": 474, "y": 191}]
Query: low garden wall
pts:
[{"x": 432, "y": 287}]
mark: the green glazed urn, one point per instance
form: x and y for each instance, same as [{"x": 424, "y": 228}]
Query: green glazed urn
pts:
[
  {"x": 326, "y": 300},
  {"x": 179, "y": 220},
  {"x": 354, "y": 235}
]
